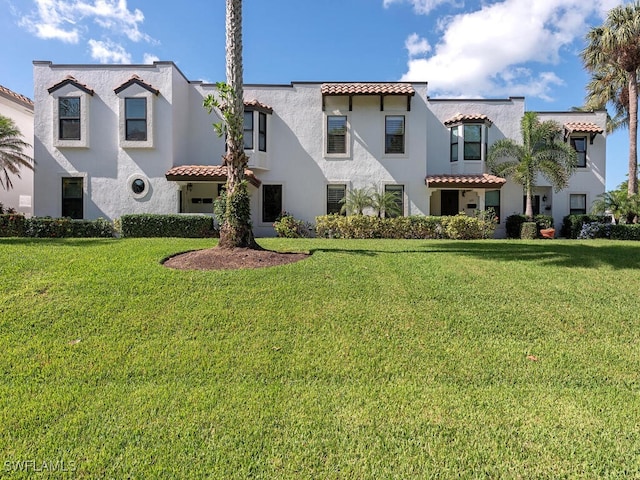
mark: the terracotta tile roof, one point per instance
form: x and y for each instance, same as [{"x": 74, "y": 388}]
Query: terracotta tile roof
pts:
[
  {"x": 467, "y": 118},
  {"x": 583, "y": 127},
  {"x": 135, "y": 79},
  {"x": 483, "y": 180},
  {"x": 205, "y": 173},
  {"x": 256, "y": 105},
  {"x": 69, "y": 80},
  {"x": 10, "y": 94},
  {"x": 397, "y": 88}
]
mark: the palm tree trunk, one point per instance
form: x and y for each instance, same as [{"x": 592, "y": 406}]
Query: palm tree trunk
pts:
[
  {"x": 235, "y": 231},
  {"x": 633, "y": 134},
  {"x": 528, "y": 211}
]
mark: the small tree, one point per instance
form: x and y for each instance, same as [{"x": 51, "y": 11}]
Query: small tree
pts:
[
  {"x": 12, "y": 156},
  {"x": 355, "y": 201},
  {"x": 385, "y": 203},
  {"x": 540, "y": 152},
  {"x": 618, "y": 203}
]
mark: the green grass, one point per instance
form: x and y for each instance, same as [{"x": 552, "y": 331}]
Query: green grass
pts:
[{"x": 371, "y": 359}]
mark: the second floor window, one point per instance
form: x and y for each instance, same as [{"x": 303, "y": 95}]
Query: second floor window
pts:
[
  {"x": 247, "y": 134},
  {"x": 394, "y": 134},
  {"x": 454, "y": 145},
  {"x": 69, "y": 118},
  {"x": 136, "y": 119},
  {"x": 579, "y": 144},
  {"x": 262, "y": 131},
  {"x": 473, "y": 142},
  {"x": 336, "y": 134}
]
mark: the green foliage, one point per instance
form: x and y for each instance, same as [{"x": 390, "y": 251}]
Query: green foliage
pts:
[
  {"x": 12, "y": 225},
  {"x": 46, "y": 227},
  {"x": 287, "y": 226},
  {"x": 464, "y": 227},
  {"x": 624, "y": 207},
  {"x": 624, "y": 232},
  {"x": 385, "y": 203},
  {"x": 513, "y": 224},
  {"x": 528, "y": 231},
  {"x": 572, "y": 224},
  {"x": 151, "y": 225},
  {"x": 12, "y": 156},
  {"x": 356, "y": 200},
  {"x": 218, "y": 106}
]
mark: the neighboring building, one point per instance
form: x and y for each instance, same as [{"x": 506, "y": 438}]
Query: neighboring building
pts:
[
  {"x": 117, "y": 139},
  {"x": 20, "y": 109}
]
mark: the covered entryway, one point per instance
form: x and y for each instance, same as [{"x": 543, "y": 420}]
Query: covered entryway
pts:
[{"x": 452, "y": 194}]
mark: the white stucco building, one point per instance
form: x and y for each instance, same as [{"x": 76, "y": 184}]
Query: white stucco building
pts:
[
  {"x": 117, "y": 139},
  {"x": 20, "y": 109}
]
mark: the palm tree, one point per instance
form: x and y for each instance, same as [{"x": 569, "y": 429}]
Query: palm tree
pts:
[
  {"x": 356, "y": 201},
  {"x": 618, "y": 203},
  {"x": 613, "y": 52},
  {"x": 235, "y": 230},
  {"x": 540, "y": 152},
  {"x": 12, "y": 156},
  {"x": 384, "y": 202}
]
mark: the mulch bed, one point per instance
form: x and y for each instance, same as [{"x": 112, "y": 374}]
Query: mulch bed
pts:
[{"x": 231, "y": 259}]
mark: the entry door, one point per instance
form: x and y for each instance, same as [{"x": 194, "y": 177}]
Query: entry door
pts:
[{"x": 449, "y": 200}]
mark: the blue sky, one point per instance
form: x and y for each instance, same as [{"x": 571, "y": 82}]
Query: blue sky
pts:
[{"x": 463, "y": 48}]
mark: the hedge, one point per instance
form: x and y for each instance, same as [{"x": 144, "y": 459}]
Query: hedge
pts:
[
  {"x": 152, "y": 225},
  {"x": 12, "y": 225},
  {"x": 46, "y": 227},
  {"x": 572, "y": 224},
  {"x": 513, "y": 224}
]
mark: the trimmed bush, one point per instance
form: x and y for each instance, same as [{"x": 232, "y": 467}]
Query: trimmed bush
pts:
[
  {"x": 152, "y": 225},
  {"x": 46, "y": 227},
  {"x": 629, "y": 231},
  {"x": 513, "y": 224},
  {"x": 12, "y": 225},
  {"x": 529, "y": 231},
  {"x": 572, "y": 224},
  {"x": 288, "y": 226},
  {"x": 463, "y": 227}
]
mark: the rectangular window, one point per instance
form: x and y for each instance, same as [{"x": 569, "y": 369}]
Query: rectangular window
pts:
[
  {"x": 72, "y": 197},
  {"x": 262, "y": 131},
  {"x": 577, "y": 204},
  {"x": 454, "y": 145},
  {"x": 247, "y": 134},
  {"x": 492, "y": 200},
  {"x": 271, "y": 202},
  {"x": 394, "y": 134},
  {"x": 135, "y": 112},
  {"x": 473, "y": 142},
  {"x": 579, "y": 144},
  {"x": 336, "y": 134},
  {"x": 335, "y": 193},
  {"x": 69, "y": 118},
  {"x": 398, "y": 192}
]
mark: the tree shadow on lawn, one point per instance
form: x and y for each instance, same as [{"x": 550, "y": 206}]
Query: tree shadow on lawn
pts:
[{"x": 569, "y": 254}]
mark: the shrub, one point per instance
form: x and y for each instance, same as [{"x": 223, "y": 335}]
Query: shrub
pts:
[
  {"x": 543, "y": 221},
  {"x": 363, "y": 226},
  {"x": 288, "y": 226},
  {"x": 572, "y": 224},
  {"x": 152, "y": 225},
  {"x": 464, "y": 227},
  {"x": 513, "y": 225},
  {"x": 629, "y": 231},
  {"x": 529, "y": 231},
  {"x": 12, "y": 225},
  {"x": 47, "y": 227}
]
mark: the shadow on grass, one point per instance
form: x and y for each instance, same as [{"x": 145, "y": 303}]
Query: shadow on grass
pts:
[{"x": 563, "y": 254}]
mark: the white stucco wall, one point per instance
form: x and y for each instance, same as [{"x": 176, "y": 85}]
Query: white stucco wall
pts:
[{"x": 20, "y": 197}]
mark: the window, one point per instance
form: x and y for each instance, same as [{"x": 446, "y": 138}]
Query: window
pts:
[
  {"x": 394, "y": 134},
  {"x": 262, "y": 131},
  {"x": 139, "y": 186},
  {"x": 398, "y": 193},
  {"x": 335, "y": 193},
  {"x": 577, "y": 204},
  {"x": 454, "y": 145},
  {"x": 336, "y": 134},
  {"x": 72, "y": 197},
  {"x": 271, "y": 202},
  {"x": 135, "y": 119},
  {"x": 473, "y": 142},
  {"x": 69, "y": 117},
  {"x": 492, "y": 200},
  {"x": 579, "y": 144},
  {"x": 247, "y": 134}
]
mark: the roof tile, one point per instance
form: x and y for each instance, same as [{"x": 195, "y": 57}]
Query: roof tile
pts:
[
  {"x": 583, "y": 127},
  {"x": 484, "y": 180},
  {"x": 5, "y": 92},
  {"x": 206, "y": 172},
  {"x": 397, "y": 88},
  {"x": 467, "y": 117}
]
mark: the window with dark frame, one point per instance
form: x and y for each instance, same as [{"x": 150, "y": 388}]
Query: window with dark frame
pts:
[
  {"x": 262, "y": 131},
  {"x": 454, "y": 144},
  {"x": 271, "y": 202},
  {"x": 579, "y": 144},
  {"x": 492, "y": 200},
  {"x": 247, "y": 134},
  {"x": 394, "y": 134},
  {"x": 473, "y": 142},
  {"x": 135, "y": 119},
  {"x": 335, "y": 193},
  {"x": 398, "y": 193},
  {"x": 577, "y": 204},
  {"x": 336, "y": 134},
  {"x": 69, "y": 118},
  {"x": 72, "y": 203}
]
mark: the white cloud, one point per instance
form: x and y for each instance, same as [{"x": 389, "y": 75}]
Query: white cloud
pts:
[
  {"x": 417, "y": 46},
  {"x": 149, "y": 58},
  {"x": 108, "y": 52},
  {"x": 483, "y": 52},
  {"x": 422, "y": 7},
  {"x": 69, "y": 20}
]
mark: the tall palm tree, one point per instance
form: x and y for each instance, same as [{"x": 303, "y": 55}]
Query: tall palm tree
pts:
[
  {"x": 613, "y": 51},
  {"x": 541, "y": 152},
  {"x": 12, "y": 156},
  {"x": 235, "y": 230}
]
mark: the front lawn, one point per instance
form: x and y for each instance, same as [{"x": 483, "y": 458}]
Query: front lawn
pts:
[{"x": 371, "y": 359}]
